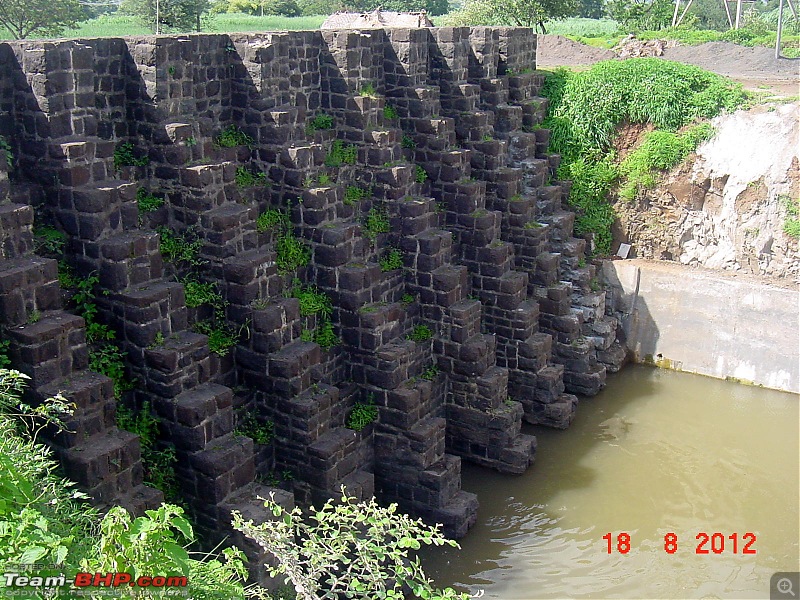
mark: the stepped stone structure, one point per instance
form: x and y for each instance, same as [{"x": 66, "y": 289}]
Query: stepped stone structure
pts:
[{"x": 441, "y": 129}]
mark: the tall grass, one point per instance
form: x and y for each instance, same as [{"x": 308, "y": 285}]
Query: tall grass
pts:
[
  {"x": 586, "y": 109},
  {"x": 121, "y": 25}
]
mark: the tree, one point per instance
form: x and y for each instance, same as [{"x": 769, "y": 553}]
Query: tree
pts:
[
  {"x": 591, "y": 9},
  {"x": 349, "y": 549},
  {"x": 173, "y": 15},
  {"x": 45, "y": 18},
  {"x": 516, "y": 13},
  {"x": 642, "y": 14}
]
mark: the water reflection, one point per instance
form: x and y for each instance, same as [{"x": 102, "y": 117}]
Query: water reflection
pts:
[{"x": 656, "y": 452}]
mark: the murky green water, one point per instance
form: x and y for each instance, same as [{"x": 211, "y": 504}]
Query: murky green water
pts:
[{"x": 655, "y": 452}]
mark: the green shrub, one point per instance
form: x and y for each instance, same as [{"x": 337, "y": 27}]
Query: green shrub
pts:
[
  {"x": 5, "y": 147},
  {"x": 231, "y": 137},
  {"x": 408, "y": 142},
  {"x": 354, "y": 194},
  {"x": 408, "y": 299},
  {"x": 321, "y": 121},
  {"x": 419, "y": 174},
  {"x": 260, "y": 433},
  {"x": 292, "y": 253},
  {"x": 390, "y": 113},
  {"x": 376, "y": 221},
  {"x": 272, "y": 218},
  {"x": 391, "y": 260},
  {"x": 49, "y": 241},
  {"x": 147, "y": 202},
  {"x": 420, "y": 333},
  {"x": 791, "y": 226},
  {"x": 325, "y": 336},
  {"x": 586, "y": 109},
  {"x": 247, "y": 178},
  {"x": 198, "y": 293},
  {"x": 362, "y": 414},
  {"x": 312, "y": 301},
  {"x": 368, "y": 90},
  {"x": 179, "y": 248},
  {"x": 341, "y": 154},
  {"x": 221, "y": 337},
  {"x": 125, "y": 156},
  {"x": 430, "y": 373}
]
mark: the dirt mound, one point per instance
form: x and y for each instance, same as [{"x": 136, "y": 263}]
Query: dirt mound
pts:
[
  {"x": 630, "y": 47},
  {"x": 735, "y": 61},
  {"x": 738, "y": 62},
  {"x": 555, "y": 50}
]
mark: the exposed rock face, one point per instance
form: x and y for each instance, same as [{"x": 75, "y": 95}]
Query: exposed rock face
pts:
[
  {"x": 443, "y": 145},
  {"x": 725, "y": 207},
  {"x": 377, "y": 19}
]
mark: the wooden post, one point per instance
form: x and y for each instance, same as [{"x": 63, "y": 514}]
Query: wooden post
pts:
[{"x": 780, "y": 29}]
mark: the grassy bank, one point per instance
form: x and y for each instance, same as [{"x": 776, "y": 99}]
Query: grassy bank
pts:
[
  {"x": 120, "y": 25},
  {"x": 587, "y": 108}
]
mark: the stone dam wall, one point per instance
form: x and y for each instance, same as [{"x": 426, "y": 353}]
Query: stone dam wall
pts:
[
  {"x": 709, "y": 322},
  {"x": 441, "y": 127}
]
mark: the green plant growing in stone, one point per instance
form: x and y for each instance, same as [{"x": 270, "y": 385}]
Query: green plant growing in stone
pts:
[
  {"x": 324, "y": 179},
  {"x": 487, "y": 138},
  {"x": 408, "y": 142},
  {"x": 376, "y": 222},
  {"x": 198, "y": 293},
  {"x": 5, "y": 361},
  {"x": 246, "y": 178},
  {"x": 368, "y": 91},
  {"x": 260, "y": 433},
  {"x": 430, "y": 373},
  {"x": 354, "y": 194},
  {"x": 341, "y": 154},
  {"x": 179, "y": 248},
  {"x": 158, "y": 462},
  {"x": 125, "y": 156},
  {"x": 533, "y": 225},
  {"x": 292, "y": 253},
  {"x": 316, "y": 556},
  {"x": 320, "y": 122},
  {"x": 272, "y": 218},
  {"x": 312, "y": 301},
  {"x": 791, "y": 225},
  {"x": 231, "y": 137},
  {"x": 48, "y": 241},
  {"x": 391, "y": 260},
  {"x": 147, "y": 202},
  {"x": 191, "y": 141},
  {"x": 5, "y": 147},
  {"x": 307, "y": 335},
  {"x": 420, "y": 333},
  {"x": 221, "y": 337},
  {"x": 581, "y": 263},
  {"x": 419, "y": 174},
  {"x": 324, "y": 335},
  {"x": 408, "y": 299},
  {"x": 362, "y": 414},
  {"x": 34, "y": 316},
  {"x": 390, "y": 113}
]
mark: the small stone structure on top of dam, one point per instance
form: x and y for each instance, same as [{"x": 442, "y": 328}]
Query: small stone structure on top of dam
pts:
[{"x": 365, "y": 148}]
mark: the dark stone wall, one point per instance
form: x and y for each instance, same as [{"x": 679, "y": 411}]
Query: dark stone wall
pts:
[{"x": 445, "y": 128}]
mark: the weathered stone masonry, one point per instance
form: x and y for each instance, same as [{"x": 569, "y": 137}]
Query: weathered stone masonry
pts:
[{"x": 489, "y": 257}]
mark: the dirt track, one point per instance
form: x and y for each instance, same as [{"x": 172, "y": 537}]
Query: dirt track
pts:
[{"x": 755, "y": 68}]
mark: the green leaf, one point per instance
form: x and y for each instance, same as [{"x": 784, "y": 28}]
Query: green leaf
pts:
[{"x": 32, "y": 554}]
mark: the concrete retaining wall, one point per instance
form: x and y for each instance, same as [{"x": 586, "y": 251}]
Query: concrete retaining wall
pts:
[{"x": 708, "y": 322}]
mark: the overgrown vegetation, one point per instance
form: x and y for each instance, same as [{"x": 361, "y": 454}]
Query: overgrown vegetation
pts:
[
  {"x": 315, "y": 302},
  {"x": 791, "y": 225},
  {"x": 659, "y": 151},
  {"x": 420, "y": 333},
  {"x": 391, "y": 260},
  {"x": 180, "y": 248},
  {"x": 320, "y": 122},
  {"x": 260, "y": 433},
  {"x": 232, "y": 136},
  {"x": 147, "y": 202},
  {"x": 125, "y": 155},
  {"x": 49, "y": 241},
  {"x": 586, "y": 109},
  {"x": 246, "y": 178},
  {"x": 362, "y": 414},
  {"x": 341, "y": 154},
  {"x": 376, "y": 221},
  {"x": 390, "y": 113},
  {"x": 419, "y": 174},
  {"x": 354, "y": 194},
  {"x": 158, "y": 460}
]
